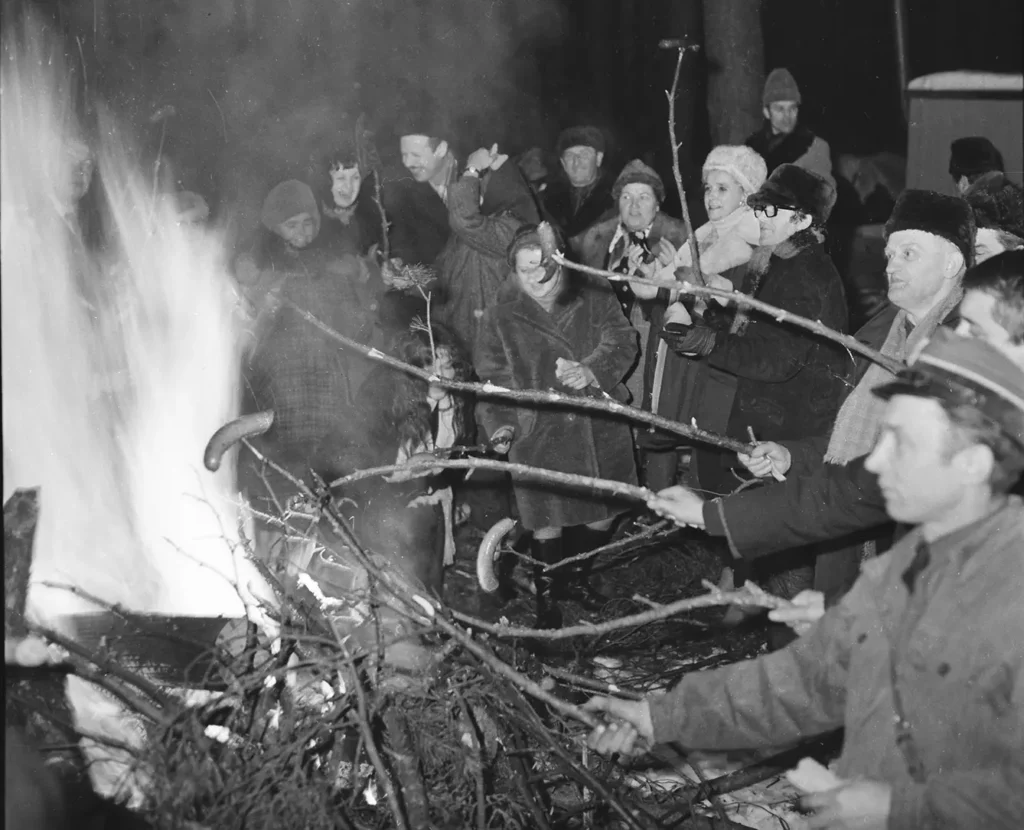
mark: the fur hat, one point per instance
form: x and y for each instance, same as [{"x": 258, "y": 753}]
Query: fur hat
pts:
[
  {"x": 973, "y": 155},
  {"x": 288, "y": 199},
  {"x": 795, "y": 188},
  {"x": 742, "y": 163},
  {"x": 636, "y": 172},
  {"x": 997, "y": 203},
  {"x": 581, "y": 136},
  {"x": 949, "y": 217},
  {"x": 780, "y": 86}
]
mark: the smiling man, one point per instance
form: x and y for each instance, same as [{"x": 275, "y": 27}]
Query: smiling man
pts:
[{"x": 923, "y": 661}]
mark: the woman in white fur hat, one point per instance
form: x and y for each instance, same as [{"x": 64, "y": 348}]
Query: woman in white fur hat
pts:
[{"x": 725, "y": 242}]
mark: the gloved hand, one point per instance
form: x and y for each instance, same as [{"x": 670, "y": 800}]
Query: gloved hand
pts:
[{"x": 689, "y": 340}]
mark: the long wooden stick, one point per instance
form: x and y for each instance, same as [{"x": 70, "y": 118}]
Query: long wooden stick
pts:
[
  {"x": 848, "y": 342},
  {"x": 427, "y": 466},
  {"x": 550, "y": 398},
  {"x": 690, "y": 238}
]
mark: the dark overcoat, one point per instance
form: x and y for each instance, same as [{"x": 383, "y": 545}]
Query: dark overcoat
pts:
[
  {"x": 576, "y": 209},
  {"x": 519, "y": 343},
  {"x": 789, "y": 383}
]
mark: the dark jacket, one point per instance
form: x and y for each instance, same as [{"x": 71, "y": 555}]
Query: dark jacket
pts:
[
  {"x": 944, "y": 642},
  {"x": 355, "y": 232},
  {"x": 575, "y": 209},
  {"x": 519, "y": 343},
  {"x": 818, "y": 502},
  {"x": 473, "y": 265},
  {"x": 789, "y": 384},
  {"x": 418, "y": 217},
  {"x": 800, "y": 147}
]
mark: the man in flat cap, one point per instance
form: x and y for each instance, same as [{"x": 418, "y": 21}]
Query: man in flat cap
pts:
[
  {"x": 922, "y": 662},
  {"x": 583, "y": 195},
  {"x": 971, "y": 157}
]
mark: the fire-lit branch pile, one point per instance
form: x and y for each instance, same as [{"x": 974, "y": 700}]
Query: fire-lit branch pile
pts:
[{"x": 314, "y": 730}]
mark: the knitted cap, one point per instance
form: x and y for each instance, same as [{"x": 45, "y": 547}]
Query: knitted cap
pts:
[
  {"x": 780, "y": 86},
  {"x": 997, "y": 203},
  {"x": 636, "y": 172},
  {"x": 581, "y": 136},
  {"x": 948, "y": 217},
  {"x": 742, "y": 163},
  {"x": 973, "y": 155},
  {"x": 288, "y": 199}
]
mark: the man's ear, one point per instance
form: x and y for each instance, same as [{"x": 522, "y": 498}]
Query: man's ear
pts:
[
  {"x": 441, "y": 150},
  {"x": 975, "y": 463},
  {"x": 954, "y": 263},
  {"x": 600, "y": 158},
  {"x": 804, "y": 222}
]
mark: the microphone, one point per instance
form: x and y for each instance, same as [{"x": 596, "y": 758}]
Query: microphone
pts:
[{"x": 679, "y": 43}]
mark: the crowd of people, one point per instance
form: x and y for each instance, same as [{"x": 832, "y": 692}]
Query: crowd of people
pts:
[
  {"x": 914, "y": 650},
  {"x": 885, "y": 500}
]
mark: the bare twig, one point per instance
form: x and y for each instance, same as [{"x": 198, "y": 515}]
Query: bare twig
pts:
[
  {"x": 550, "y": 398},
  {"x": 848, "y": 342},
  {"x": 618, "y": 546},
  {"x": 385, "y": 246},
  {"x": 428, "y": 466},
  {"x": 691, "y": 239},
  {"x": 748, "y": 595},
  {"x": 223, "y": 120}
]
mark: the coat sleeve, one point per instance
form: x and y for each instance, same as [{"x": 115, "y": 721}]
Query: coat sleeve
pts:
[
  {"x": 830, "y": 503},
  {"x": 492, "y": 365},
  {"x": 780, "y": 698},
  {"x": 769, "y": 351},
  {"x": 991, "y": 797},
  {"x": 619, "y": 345},
  {"x": 807, "y": 454},
  {"x": 488, "y": 234}
]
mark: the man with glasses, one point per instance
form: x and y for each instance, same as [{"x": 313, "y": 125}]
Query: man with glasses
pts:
[{"x": 788, "y": 384}]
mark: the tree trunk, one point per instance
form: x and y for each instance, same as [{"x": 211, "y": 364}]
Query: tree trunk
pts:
[{"x": 735, "y": 59}]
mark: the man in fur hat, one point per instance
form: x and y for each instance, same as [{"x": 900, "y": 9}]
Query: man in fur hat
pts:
[
  {"x": 917, "y": 662},
  {"x": 998, "y": 214},
  {"x": 828, "y": 492},
  {"x": 583, "y": 193},
  {"x": 782, "y": 139},
  {"x": 627, "y": 243},
  {"x": 972, "y": 157}
]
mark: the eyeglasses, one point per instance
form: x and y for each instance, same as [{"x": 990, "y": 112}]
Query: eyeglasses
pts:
[{"x": 769, "y": 211}]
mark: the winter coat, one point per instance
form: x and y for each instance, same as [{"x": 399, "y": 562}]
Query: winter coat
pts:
[
  {"x": 355, "y": 231},
  {"x": 473, "y": 265},
  {"x": 305, "y": 376},
  {"x": 818, "y": 502},
  {"x": 592, "y": 204},
  {"x": 519, "y": 343},
  {"x": 593, "y": 251},
  {"x": 800, "y": 147},
  {"x": 788, "y": 384},
  {"x": 689, "y": 388},
  {"x": 944, "y": 634}
]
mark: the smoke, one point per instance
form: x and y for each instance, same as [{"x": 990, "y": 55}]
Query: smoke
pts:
[{"x": 264, "y": 89}]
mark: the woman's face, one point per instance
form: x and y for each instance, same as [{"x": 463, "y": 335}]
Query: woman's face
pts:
[
  {"x": 530, "y": 273},
  {"x": 722, "y": 195},
  {"x": 345, "y": 183},
  {"x": 638, "y": 205},
  {"x": 299, "y": 231}
]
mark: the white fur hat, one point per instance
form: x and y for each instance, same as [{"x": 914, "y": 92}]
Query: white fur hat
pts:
[{"x": 740, "y": 162}]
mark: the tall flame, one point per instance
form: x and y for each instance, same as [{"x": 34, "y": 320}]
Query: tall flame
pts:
[{"x": 116, "y": 368}]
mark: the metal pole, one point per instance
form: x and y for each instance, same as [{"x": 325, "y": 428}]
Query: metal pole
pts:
[{"x": 899, "y": 19}]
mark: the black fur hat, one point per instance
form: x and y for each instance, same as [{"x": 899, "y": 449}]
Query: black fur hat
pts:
[
  {"x": 795, "y": 188},
  {"x": 997, "y": 203},
  {"x": 949, "y": 217},
  {"x": 581, "y": 136},
  {"x": 972, "y": 156}
]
